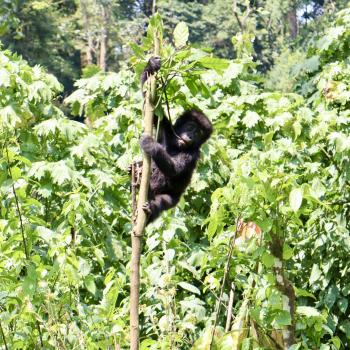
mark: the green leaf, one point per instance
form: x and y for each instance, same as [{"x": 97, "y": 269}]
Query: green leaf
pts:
[
  {"x": 84, "y": 267},
  {"x": 9, "y": 117},
  {"x": 191, "y": 288},
  {"x": 312, "y": 64},
  {"x": 60, "y": 172},
  {"x": 282, "y": 319},
  {"x": 316, "y": 273},
  {"x": 213, "y": 225},
  {"x": 337, "y": 342},
  {"x": 303, "y": 293},
  {"x": 181, "y": 34},
  {"x": 246, "y": 344},
  {"x": 45, "y": 233},
  {"x": 16, "y": 173},
  {"x": 308, "y": 311},
  {"x": 345, "y": 327},
  {"x": 38, "y": 170},
  {"x": 343, "y": 304},
  {"x": 218, "y": 64},
  {"x": 149, "y": 344},
  {"x": 30, "y": 281},
  {"x": 295, "y": 347},
  {"x": 90, "y": 284},
  {"x": 287, "y": 252},
  {"x": 295, "y": 199},
  {"x": 47, "y": 127},
  {"x": 268, "y": 260},
  {"x": 4, "y": 78},
  {"x": 251, "y": 119},
  {"x": 331, "y": 296}
]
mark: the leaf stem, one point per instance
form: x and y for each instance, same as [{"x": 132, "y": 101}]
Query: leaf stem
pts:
[{"x": 18, "y": 208}]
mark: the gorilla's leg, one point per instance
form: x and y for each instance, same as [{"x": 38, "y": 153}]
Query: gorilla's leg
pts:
[{"x": 161, "y": 202}]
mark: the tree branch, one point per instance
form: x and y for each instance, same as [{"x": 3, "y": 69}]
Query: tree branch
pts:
[{"x": 139, "y": 226}]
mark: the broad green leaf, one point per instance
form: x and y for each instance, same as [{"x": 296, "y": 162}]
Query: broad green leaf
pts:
[
  {"x": 287, "y": 252},
  {"x": 316, "y": 273},
  {"x": 268, "y": 260},
  {"x": 343, "y": 304},
  {"x": 337, "y": 342},
  {"x": 16, "y": 173},
  {"x": 30, "y": 281},
  {"x": 282, "y": 319},
  {"x": 38, "y": 170},
  {"x": 181, "y": 34},
  {"x": 331, "y": 296},
  {"x": 295, "y": 199},
  {"x": 312, "y": 64},
  {"x": 45, "y": 233},
  {"x": 47, "y": 127},
  {"x": 148, "y": 344},
  {"x": 40, "y": 5},
  {"x": 345, "y": 328},
  {"x": 84, "y": 267},
  {"x": 213, "y": 225},
  {"x": 9, "y": 116},
  {"x": 308, "y": 311},
  {"x": 169, "y": 255},
  {"x": 4, "y": 78},
  {"x": 303, "y": 293},
  {"x": 90, "y": 284},
  {"x": 251, "y": 119},
  {"x": 60, "y": 172},
  {"x": 218, "y": 64},
  {"x": 190, "y": 287}
]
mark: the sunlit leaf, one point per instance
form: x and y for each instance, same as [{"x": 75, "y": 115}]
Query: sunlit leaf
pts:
[
  {"x": 181, "y": 34},
  {"x": 295, "y": 199},
  {"x": 190, "y": 287},
  {"x": 308, "y": 311}
]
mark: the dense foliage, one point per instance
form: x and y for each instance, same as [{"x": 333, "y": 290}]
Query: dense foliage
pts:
[{"x": 277, "y": 160}]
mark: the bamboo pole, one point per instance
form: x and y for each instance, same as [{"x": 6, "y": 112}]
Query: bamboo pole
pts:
[{"x": 140, "y": 222}]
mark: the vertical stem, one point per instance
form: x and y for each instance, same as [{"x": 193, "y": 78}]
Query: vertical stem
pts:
[
  {"x": 133, "y": 193},
  {"x": 40, "y": 334},
  {"x": 226, "y": 273},
  {"x": 285, "y": 287},
  {"x": 229, "y": 309},
  {"x": 3, "y": 337},
  {"x": 136, "y": 236},
  {"x": 18, "y": 208}
]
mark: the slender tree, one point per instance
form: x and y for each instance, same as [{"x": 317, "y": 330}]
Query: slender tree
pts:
[{"x": 140, "y": 221}]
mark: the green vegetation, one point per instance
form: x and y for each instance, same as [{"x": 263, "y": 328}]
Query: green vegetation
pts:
[{"x": 272, "y": 185}]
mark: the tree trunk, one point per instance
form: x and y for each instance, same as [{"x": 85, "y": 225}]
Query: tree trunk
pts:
[
  {"x": 139, "y": 225},
  {"x": 104, "y": 39},
  {"x": 87, "y": 32},
  {"x": 293, "y": 22}
]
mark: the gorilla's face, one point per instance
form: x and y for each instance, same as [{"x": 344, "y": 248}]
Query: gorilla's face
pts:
[{"x": 189, "y": 134}]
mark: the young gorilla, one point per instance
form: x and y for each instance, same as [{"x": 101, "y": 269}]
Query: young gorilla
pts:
[
  {"x": 174, "y": 158},
  {"x": 174, "y": 155}
]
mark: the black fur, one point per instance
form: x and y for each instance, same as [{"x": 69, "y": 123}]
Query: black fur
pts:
[
  {"x": 174, "y": 158},
  {"x": 152, "y": 67}
]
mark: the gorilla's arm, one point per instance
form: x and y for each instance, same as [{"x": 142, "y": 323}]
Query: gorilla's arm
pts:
[
  {"x": 166, "y": 132},
  {"x": 167, "y": 165}
]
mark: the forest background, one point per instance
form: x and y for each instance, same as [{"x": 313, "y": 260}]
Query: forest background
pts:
[{"x": 270, "y": 195}]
